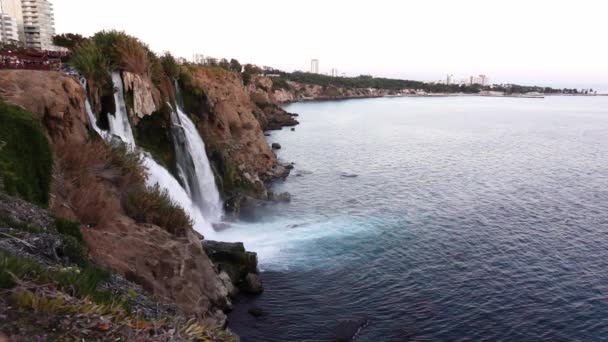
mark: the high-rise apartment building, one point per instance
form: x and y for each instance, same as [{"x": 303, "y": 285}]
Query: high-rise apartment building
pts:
[
  {"x": 449, "y": 79},
  {"x": 314, "y": 66},
  {"x": 35, "y": 22},
  {"x": 198, "y": 58},
  {"x": 8, "y": 29}
]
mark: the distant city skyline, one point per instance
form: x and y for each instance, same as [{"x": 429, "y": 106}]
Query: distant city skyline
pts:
[{"x": 540, "y": 42}]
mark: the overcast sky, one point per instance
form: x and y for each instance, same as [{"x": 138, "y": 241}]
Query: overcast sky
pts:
[{"x": 523, "y": 41}]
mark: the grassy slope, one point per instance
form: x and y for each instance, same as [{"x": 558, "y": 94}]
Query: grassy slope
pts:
[{"x": 26, "y": 159}]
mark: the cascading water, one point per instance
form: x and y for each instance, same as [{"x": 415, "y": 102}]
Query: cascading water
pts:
[
  {"x": 193, "y": 165},
  {"x": 89, "y": 110},
  {"x": 121, "y": 128},
  {"x": 119, "y": 122}
]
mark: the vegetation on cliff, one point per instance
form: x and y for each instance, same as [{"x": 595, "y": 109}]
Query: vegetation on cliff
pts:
[
  {"x": 364, "y": 81},
  {"x": 44, "y": 296},
  {"x": 26, "y": 159},
  {"x": 96, "y": 165}
]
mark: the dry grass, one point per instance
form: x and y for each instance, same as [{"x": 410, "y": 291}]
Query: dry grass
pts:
[
  {"x": 91, "y": 174},
  {"x": 133, "y": 56},
  {"x": 153, "y": 205}
]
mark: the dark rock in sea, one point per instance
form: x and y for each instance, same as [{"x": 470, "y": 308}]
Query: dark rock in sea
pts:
[
  {"x": 276, "y": 146},
  {"x": 253, "y": 284},
  {"x": 347, "y": 329},
  {"x": 289, "y": 166},
  {"x": 301, "y": 173},
  {"x": 256, "y": 312},
  {"x": 267, "y": 134},
  {"x": 280, "y": 171},
  {"x": 240, "y": 265},
  {"x": 293, "y": 129},
  {"x": 279, "y": 197},
  {"x": 219, "y": 227}
]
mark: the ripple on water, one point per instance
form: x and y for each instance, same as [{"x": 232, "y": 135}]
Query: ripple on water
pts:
[{"x": 470, "y": 219}]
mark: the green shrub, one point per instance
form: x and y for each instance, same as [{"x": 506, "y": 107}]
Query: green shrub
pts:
[
  {"x": 13, "y": 268},
  {"x": 26, "y": 159},
  {"x": 80, "y": 282},
  {"x": 89, "y": 59},
  {"x": 7, "y": 221},
  {"x": 70, "y": 228},
  {"x": 84, "y": 282},
  {"x": 153, "y": 205},
  {"x": 153, "y": 134},
  {"x": 280, "y": 83},
  {"x": 75, "y": 250},
  {"x": 129, "y": 164},
  {"x": 170, "y": 65}
]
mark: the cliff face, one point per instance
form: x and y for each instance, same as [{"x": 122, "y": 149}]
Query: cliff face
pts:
[
  {"x": 229, "y": 122},
  {"x": 293, "y": 91},
  {"x": 267, "y": 107},
  {"x": 86, "y": 187},
  {"x": 58, "y": 100}
]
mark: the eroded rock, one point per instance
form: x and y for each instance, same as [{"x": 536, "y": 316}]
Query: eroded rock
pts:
[
  {"x": 58, "y": 100},
  {"x": 239, "y": 265}
]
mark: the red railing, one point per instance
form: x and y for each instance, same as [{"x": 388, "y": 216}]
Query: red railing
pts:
[{"x": 31, "y": 59}]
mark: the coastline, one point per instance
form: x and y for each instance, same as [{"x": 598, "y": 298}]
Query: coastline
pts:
[{"x": 521, "y": 96}]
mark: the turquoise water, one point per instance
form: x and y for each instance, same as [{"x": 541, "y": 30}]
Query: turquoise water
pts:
[{"x": 456, "y": 218}]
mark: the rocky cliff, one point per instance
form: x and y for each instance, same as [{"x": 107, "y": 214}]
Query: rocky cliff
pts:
[
  {"x": 90, "y": 182},
  {"x": 232, "y": 125},
  {"x": 56, "y": 99},
  {"x": 278, "y": 91}
]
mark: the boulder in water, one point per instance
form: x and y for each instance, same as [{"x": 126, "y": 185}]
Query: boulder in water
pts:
[
  {"x": 280, "y": 197},
  {"x": 239, "y": 265},
  {"x": 276, "y": 146},
  {"x": 253, "y": 284},
  {"x": 347, "y": 329},
  {"x": 256, "y": 312}
]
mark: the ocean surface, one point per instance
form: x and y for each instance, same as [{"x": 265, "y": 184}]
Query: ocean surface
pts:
[{"x": 436, "y": 219}]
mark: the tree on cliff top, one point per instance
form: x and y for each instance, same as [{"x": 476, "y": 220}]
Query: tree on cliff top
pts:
[
  {"x": 68, "y": 40},
  {"x": 235, "y": 65}
]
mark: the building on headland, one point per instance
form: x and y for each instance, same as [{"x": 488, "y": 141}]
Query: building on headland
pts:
[
  {"x": 314, "y": 66},
  {"x": 482, "y": 80},
  {"x": 35, "y": 22},
  {"x": 198, "y": 58},
  {"x": 210, "y": 60},
  {"x": 449, "y": 79},
  {"x": 8, "y": 29}
]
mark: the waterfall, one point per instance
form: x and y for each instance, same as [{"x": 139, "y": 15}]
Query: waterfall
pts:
[
  {"x": 193, "y": 165},
  {"x": 89, "y": 110},
  {"x": 156, "y": 174},
  {"x": 159, "y": 175},
  {"x": 119, "y": 122}
]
